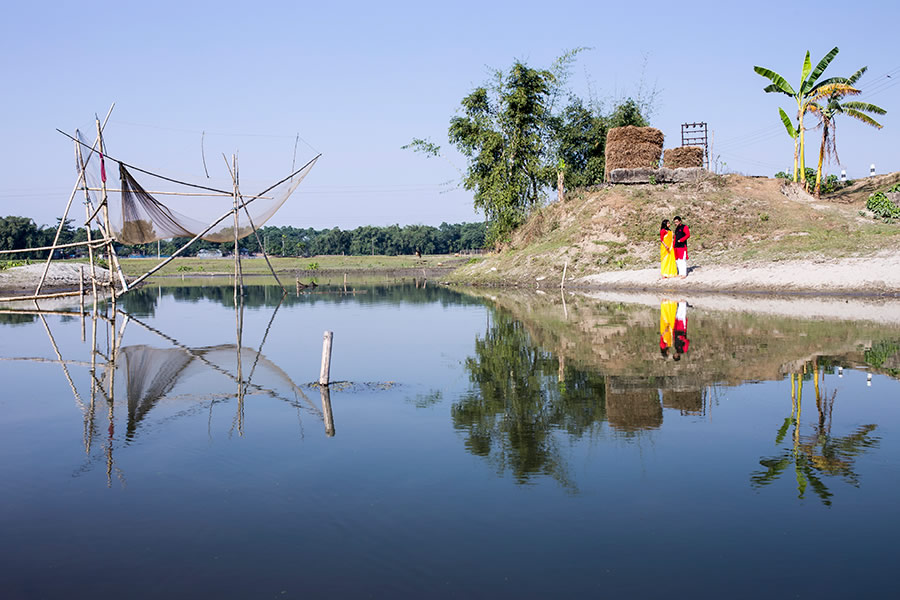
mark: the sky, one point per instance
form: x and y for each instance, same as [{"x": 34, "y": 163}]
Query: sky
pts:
[{"x": 276, "y": 83}]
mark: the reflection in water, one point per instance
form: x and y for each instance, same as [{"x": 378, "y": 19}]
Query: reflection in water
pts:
[
  {"x": 816, "y": 454},
  {"x": 518, "y": 404},
  {"x": 147, "y": 375},
  {"x": 524, "y": 390},
  {"x": 673, "y": 328}
]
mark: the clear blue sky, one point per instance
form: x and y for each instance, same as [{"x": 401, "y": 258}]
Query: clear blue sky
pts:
[{"x": 359, "y": 80}]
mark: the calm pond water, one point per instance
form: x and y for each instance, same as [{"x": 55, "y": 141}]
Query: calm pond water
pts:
[{"x": 487, "y": 445}]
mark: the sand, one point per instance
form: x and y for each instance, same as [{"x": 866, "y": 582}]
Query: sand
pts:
[{"x": 877, "y": 275}]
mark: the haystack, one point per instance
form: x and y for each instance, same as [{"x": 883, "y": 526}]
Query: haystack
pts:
[
  {"x": 633, "y": 147},
  {"x": 685, "y": 156}
]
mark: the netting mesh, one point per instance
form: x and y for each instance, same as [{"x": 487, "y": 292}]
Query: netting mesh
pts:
[{"x": 139, "y": 216}]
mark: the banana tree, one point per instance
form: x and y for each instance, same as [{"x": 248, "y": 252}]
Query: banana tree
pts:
[
  {"x": 791, "y": 131},
  {"x": 827, "y": 104},
  {"x": 809, "y": 86}
]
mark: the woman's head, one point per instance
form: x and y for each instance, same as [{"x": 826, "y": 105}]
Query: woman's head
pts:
[{"x": 665, "y": 224}]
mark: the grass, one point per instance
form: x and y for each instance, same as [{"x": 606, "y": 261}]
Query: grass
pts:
[{"x": 134, "y": 267}]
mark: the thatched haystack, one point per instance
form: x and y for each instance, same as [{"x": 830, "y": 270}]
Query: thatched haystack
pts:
[
  {"x": 633, "y": 147},
  {"x": 685, "y": 156}
]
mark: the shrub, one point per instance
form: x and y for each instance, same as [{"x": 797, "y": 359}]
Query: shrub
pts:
[{"x": 882, "y": 206}]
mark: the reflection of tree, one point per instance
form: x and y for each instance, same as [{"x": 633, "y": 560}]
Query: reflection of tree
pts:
[
  {"x": 818, "y": 453},
  {"x": 519, "y": 403}
]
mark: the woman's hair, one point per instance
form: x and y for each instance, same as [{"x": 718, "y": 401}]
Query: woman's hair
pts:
[{"x": 665, "y": 224}]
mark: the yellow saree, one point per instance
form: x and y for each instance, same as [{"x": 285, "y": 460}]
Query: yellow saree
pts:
[{"x": 667, "y": 254}]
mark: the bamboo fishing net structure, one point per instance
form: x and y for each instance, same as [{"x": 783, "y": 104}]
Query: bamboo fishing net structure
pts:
[
  {"x": 633, "y": 147},
  {"x": 134, "y": 213},
  {"x": 683, "y": 157}
]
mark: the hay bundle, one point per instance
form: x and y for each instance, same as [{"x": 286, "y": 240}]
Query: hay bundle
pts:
[
  {"x": 633, "y": 147},
  {"x": 686, "y": 156}
]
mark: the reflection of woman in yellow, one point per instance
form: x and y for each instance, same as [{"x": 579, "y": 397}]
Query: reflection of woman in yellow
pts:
[
  {"x": 667, "y": 311},
  {"x": 668, "y": 268}
]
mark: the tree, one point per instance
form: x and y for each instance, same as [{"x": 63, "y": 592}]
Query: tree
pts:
[
  {"x": 502, "y": 133},
  {"x": 581, "y": 139},
  {"x": 627, "y": 113},
  {"x": 803, "y": 96},
  {"x": 828, "y": 103}
]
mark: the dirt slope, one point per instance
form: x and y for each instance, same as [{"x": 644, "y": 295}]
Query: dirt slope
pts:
[{"x": 734, "y": 220}]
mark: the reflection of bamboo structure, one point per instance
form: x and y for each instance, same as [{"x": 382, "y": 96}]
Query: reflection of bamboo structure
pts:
[{"x": 105, "y": 361}]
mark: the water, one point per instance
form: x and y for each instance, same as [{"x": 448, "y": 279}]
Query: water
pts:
[{"x": 492, "y": 445}]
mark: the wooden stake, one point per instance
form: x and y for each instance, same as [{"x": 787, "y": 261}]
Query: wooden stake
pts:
[
  {"x": 326, "y": 358},
  {"x": 562, "y": 283},
  {"x": 326, "y": 410}
]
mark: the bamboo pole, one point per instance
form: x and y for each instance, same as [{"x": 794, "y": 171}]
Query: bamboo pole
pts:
[
  {"x": 55, "y": 247},
  {"x": 62, "y": 221},
  {"x": 326, "y": 359},
  {"x": 87, "y": 227},
  {"x": 238, "y": 272},
  {"x": 234, "y": 177},
  {"x": 38, "y": 296},
  {"x": 110, "y": 249},
  {"x": 197, "y": 194}
]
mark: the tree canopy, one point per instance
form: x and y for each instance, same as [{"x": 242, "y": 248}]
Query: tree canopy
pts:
[{"x": 517, "y": 137}]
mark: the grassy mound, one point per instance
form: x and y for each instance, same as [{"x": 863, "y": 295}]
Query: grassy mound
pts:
[{"x": 733, "y": 219}]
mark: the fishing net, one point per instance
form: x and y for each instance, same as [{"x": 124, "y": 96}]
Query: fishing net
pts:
[
  {"x": 152, "y": 375},
  {"x": 140, "y": 214}
]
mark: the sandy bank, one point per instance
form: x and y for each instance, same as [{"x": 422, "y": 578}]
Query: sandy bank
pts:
[
  {"x": 873, "y": 275},
  {"x": 21, "y": 281}
]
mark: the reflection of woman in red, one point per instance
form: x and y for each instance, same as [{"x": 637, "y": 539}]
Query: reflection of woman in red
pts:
[{"x": 679, "y": 331}]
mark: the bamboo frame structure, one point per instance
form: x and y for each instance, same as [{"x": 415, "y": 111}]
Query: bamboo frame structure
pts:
[{"x": 100, "y": 216}]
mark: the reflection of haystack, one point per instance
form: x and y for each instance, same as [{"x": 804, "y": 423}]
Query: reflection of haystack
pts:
[
  {"x": 689, "y": 402},
  {"x": 630, "y": 411},
  {"x": 633, "y": 147},
  {"x": 686, "y": 156}
]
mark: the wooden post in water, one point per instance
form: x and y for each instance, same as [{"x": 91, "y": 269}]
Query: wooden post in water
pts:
[
  {"x": 326, "y": 410},
  {"x": 326, "y": 359}
]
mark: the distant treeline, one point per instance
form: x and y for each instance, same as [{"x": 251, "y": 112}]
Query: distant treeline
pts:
[{"x": 22, "y": 232}]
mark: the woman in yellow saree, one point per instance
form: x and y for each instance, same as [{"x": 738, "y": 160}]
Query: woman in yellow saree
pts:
[{"x": 666, "y": 251}]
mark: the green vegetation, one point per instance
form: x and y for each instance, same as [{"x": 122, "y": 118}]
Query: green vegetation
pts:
[
  {"x": 882, "y": 206},
  {"x": 820, "y": 97},
  {"x": 133, "y": 267},
  {"x": 828, "y": 185},
  {"x": 828, "y": 103},
  {"x": 519, "y": 141},
  {"x": 393, "y": 240}
]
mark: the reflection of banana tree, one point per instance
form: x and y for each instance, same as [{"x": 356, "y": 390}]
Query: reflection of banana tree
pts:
[
  {"x": 519, "y": 404},
  {"x": 816, "y": 454}
]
